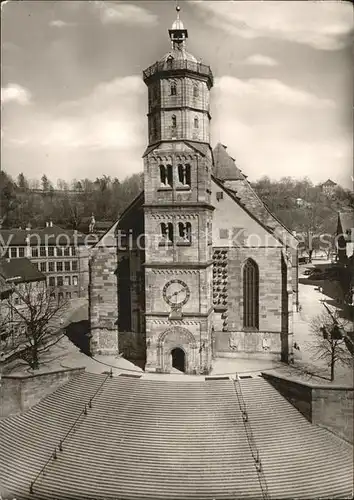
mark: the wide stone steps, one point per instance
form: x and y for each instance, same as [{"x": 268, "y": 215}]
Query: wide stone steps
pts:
[
  {"x": 169, "y": 440},
  {"x": 28, "y": 440},
  {"x": 154, "y": 439},
  {"x": 300, "y": 460}
]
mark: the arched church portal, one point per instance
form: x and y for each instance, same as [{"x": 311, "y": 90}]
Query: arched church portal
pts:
[
  {"x": 178, "y": 360},
  {"x": 177, "y": 349}
]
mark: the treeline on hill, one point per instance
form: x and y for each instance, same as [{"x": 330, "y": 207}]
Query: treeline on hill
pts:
[
  {"x": 300, "y": 205},
  {"x": 67, "y": 205}
]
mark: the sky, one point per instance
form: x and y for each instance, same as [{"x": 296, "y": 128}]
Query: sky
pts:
[{"x": 73, "y": 102}]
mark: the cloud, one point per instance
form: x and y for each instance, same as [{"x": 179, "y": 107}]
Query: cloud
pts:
[
  {"x": 104, "y": 131},
  {"x": 15, "y": 93},
  {"x": 260, "y": 60},
  {"x": 276, "y": 130},
  {"x": 322, "y": 25},
  {"x": 123, "y": 13},
  {"x": 108, "y": 117},
  {"x": 269, "y": 92},
  {"x": 58, "y": 23}
]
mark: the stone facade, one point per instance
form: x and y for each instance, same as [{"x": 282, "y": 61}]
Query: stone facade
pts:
[
  {"x": 180, "y": 298},
  {"x": 329, "y": 406},
  {"x": 103, "y": 300},
  {"x": 18, "y": 393}
]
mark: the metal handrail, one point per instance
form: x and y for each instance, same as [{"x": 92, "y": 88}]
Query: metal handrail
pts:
[
  {"x": 251, "y": 440},
  {"x": 60, "y": 447}
]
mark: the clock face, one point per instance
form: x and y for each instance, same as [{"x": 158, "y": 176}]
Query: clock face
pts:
[{"x": 176, "y": 293}]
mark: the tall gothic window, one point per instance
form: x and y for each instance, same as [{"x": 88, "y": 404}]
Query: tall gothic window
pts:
[
  {"x": 173, "y": 89},
  {"x": 184, "y": 174},
  {"x": 196, "y": 122},
  {"x": 166, "y": 178},
  {"x": 250, "y": 295},
  {"x": 174, "y": 121}
]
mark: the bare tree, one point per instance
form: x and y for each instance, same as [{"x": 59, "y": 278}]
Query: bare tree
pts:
[
  {"x": 30, "y": 323},
  {"x": 331, "y": 340}
]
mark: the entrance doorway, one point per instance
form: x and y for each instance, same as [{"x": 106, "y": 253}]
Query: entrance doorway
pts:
[{"x": 178, "y": 359}]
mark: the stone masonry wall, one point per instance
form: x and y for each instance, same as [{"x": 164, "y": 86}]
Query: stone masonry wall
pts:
[
  {"x": 333, "y": 409},
  {"x": 328, "y": 406},
  {"x": 18, "y": 393},
  {"x": 267, "y": 341},
  {"x": 103, "y": 308}
]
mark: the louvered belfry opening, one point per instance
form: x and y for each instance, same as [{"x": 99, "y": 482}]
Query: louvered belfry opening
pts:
[{"x": 250, "y": 295}]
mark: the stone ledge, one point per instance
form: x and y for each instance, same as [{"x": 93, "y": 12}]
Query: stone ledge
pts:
[{"x": 20, "y": 376}]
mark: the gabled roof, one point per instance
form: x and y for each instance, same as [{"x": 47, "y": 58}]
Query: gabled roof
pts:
[
  {"x": 21, "y": 270},
  {"x": 201, "y": 147},
  {"x": 233, "y": 195},
  {"x": 246, "y": 195},
  {"x": 5, "y": 288},
  {"x": 329, "y": 182},
  {"x": 224, "y": 165},
  {"x": 109, "y": 237}
]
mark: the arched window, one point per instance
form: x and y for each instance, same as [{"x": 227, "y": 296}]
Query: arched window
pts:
[
  {"x": 184, "y": 174},
  {"x": 250, "y": 295},
  {"x": 166, "y": 175},
  {"x": 174, "y": 121},
  {"x": 166, "y": 229},
  {"x": 195, "y": 91},
  {"x": 196, "y": 122},
  {"x": 163, "y": 176},
  {"x": 185, "y": 231},
  {"x": 173, "y": 89}
]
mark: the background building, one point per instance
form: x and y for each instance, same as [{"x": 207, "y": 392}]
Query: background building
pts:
[{"x": 60, "y": 254}]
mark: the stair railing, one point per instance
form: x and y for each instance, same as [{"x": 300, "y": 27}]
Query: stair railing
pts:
[
  {"x": 251, "y": 440},
  {"x": 54, "y": 455}
]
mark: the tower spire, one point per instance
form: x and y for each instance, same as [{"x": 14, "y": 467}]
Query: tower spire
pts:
[{"x": 177, "y": 33}]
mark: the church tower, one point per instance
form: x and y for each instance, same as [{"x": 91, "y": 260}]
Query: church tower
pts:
[{"x": 178, "y": 211}]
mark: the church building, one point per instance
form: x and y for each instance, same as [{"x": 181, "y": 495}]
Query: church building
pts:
[{"x": 196, "y": 267}]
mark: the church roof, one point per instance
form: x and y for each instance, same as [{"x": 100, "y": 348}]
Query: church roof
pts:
[
  {"x": 179, "y": 54},
  {"x": 225, "y": 167}
]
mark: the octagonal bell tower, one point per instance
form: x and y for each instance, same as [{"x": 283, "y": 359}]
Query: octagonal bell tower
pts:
[{"x": 178, "y": 212}]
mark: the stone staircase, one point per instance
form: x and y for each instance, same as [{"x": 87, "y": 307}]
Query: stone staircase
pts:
[
  {"x": 143, "y": 439},
  {"x": 28, "y": 440},
  {"x": 299, "y": 459}
]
